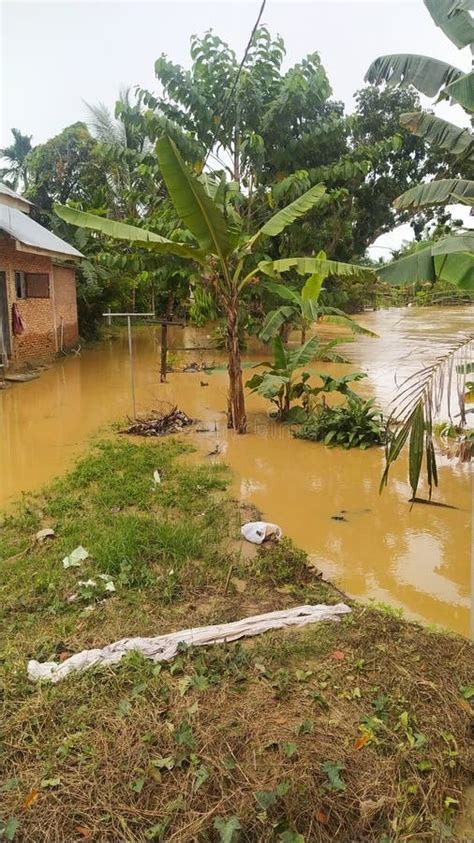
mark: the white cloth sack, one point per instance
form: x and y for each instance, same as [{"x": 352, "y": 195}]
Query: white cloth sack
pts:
[
  {"x": 165, "y": 647},
  {"x": 257, "y": 531}
]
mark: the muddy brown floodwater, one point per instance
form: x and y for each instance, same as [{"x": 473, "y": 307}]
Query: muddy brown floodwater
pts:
[{"x": 416, "y": 558}]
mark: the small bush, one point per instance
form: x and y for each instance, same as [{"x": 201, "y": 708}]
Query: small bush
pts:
[{"x": 355, "y": 424}]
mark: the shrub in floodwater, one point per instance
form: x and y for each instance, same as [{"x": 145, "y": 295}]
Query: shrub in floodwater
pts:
[{"x": 354, "y": 424}]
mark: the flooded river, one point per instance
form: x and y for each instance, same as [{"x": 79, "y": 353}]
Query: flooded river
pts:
[{"x": 416, "y": 559}]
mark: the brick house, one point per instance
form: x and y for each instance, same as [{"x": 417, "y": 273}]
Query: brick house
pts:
[{"x": 38, "y": 308}]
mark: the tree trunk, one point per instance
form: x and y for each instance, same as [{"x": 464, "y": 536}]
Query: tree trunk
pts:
[
  {"x": 164, "y": 351},
  {"x": 236, "y": 417},
  {"x": 303, "y": 335}
]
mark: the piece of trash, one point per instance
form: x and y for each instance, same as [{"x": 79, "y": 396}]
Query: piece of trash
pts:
[
  {"x": 166, "y": 647},
  {"x": 109, "y": 583},
  {"x": 260, "y": 531},
  {"x": 204, "y": 383},
  {"x": 156, "y": 477},
  {"x": 88, "y": 583},
  {"x": 76, "y": 557},
  {"x": 47, "y": 533},
  {"x": 338, "y": 518}
]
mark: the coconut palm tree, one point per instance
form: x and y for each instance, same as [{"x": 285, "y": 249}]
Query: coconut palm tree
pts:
[
  {"x": 16, "y": 173},
  {"x": 223, "y": 251}
]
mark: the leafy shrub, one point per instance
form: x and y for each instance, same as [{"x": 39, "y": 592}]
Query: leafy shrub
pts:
[{"x": 355, "y": 424}]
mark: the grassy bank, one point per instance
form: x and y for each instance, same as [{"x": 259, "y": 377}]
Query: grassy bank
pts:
[{"x": 350, "y": 731}]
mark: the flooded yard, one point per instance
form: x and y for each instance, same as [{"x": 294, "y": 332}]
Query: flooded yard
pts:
[{"x": 416, "y": 559}]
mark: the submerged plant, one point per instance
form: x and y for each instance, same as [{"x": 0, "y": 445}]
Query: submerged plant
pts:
[
  {"x": 354, "y": 424},
  {"x": 279, "y": 382}
]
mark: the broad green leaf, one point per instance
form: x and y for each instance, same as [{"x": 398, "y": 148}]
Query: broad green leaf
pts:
[
  {"x": 228, "y": 829},
  {"x": 438, "y": 192},
  {"x": 193, "y": 205},
  {"x": 439, "y": 132},
  {"x": 333, "y": 771},
  {"x": 283, "y": 291},
  {"x": 462, "y": 91},
  {"x": 300, "y": 356},
  {"x": 314, "y": 283},
  {"x": 418, "y": 266},
  {"x": 427, "y": 75},
  {"x": 273, "y": 322},
  {"x": 130, "y": 233},
  {"x": 331, "y": 316},
  {"x": 9, "y": 830},
  {"x": 454, "y": 243},
  {"x": 456, "y": 268},
  {"x": 309, "y": 266},
  {"x": 279, "y": 353},
  {"x": 292, "y": 212},
  {"x": 202, "y": 775},
  {"x": 454, "y": 19},
  {"x": 435, "y": 261}
]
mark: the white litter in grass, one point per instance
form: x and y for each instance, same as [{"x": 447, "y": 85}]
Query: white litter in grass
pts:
[
  {"x": 156, "y": 477},
  {"x": 109, "y": 583},
  {"x": 87, "y": 583},
  {"x": 76, "y": 557},
  {"x": 47, "y": 533},
  {"x": 258, "y": 531},
  {"x": 165, "y": 647}
]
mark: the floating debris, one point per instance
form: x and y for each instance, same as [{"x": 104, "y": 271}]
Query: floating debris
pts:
[{"x": 159, "y": 423}]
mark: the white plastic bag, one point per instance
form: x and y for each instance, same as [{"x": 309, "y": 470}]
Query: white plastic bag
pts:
[{"x": 257, "y": 531}]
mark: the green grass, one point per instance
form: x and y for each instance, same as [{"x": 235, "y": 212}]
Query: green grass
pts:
[{"x": 260, "y": 736}]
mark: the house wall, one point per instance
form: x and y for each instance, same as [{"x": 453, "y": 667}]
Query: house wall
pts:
[{"x": 42, "y": 317}]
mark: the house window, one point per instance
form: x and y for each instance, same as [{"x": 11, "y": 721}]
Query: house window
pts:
[
  {"x": 37, "y": 285},
  {"x": 20, "y": 285}
]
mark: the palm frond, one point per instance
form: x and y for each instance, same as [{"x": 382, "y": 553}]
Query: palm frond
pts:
[{"x": 418, "y": 405}]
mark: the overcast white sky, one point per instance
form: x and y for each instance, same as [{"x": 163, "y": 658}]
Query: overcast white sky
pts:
[{"x": 55, "y": 55}]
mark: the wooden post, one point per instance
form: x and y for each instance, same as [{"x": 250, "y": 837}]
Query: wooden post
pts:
[
  {"x": 130, "y": 354},
  {"x": 108, "y": 316},
  {"x": 164, "y": 351}
]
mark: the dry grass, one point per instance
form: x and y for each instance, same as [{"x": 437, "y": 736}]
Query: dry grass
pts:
[{"x": 351, "y": 731}]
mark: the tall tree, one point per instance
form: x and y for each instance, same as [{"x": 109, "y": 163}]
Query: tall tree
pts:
[{"x": 15, "y": 174}]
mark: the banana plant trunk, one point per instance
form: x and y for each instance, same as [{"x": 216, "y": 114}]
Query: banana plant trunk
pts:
[{"x": 236, "y": 417}]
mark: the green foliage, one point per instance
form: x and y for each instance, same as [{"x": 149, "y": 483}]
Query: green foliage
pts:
[
  {"x": 333, "y": 772},
  {"x": 354, "y": 424},
  {"x": 278, "y": 384},
  {"x": 281, "y": 563}
]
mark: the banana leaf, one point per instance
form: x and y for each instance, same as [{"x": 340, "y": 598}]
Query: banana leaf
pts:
[
  {"x": 440, "y": 133},
  {"x": 193, "y": 204},
  {"x": 292, "y": 212},
  {"x": 130, "y": 233},
  {"x": 437, "y": 192},
  {"x": 426, "y": 74}
]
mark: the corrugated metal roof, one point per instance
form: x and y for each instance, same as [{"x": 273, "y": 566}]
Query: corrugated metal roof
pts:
[
  {"x": 29, "y": 232},
  {"x": 7, "y": 191}
]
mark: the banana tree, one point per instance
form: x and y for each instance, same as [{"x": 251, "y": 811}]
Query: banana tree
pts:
[
  {"x": 302, "y": 308},
  {"x": 222, "y": 250},
  {"x": 433, "y": 77},
  {"x": 279, "y": 385}
]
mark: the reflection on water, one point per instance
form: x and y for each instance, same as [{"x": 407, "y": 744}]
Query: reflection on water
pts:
[{"x": 416, "y": 559}]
